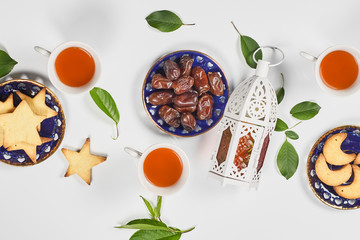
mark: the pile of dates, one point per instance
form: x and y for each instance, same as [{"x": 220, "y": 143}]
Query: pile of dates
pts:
[{"x": 185, "y": 93}]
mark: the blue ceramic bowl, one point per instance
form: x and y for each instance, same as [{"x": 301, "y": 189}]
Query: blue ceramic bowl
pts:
[
  {"x": 323, "y": 192},
  {"x": 51, "y": 127},
  {"x": 202, "y": 126}
]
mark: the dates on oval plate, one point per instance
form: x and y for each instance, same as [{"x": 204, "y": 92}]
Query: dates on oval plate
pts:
[
  {"x": 185, "y": 63},
  {"x": 185, "y": 109},
  {"x": 172, "y": 70},
  {"x": 216, "y": 84},
  {"x": 205, "y": 107},
  {"x": 200, "y": 80},
  {"x": 188, "y": 99},
  {"x": 161, "y": 97},
  {"x": 188, "y": 121},
  {"x": 183, "y": 84},
  {"x": 160, "y": 82},
  {"x": 170, "y": 116}
]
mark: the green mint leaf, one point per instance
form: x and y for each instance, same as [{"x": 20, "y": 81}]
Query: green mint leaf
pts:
[
  {"x": 155, "y": 235},
  {"x": 280, "y": 125},
  {"x": 149, "y": 207},
  {"x": 165, "y": 21},
  {"x": 280, "y": 93},
  {"x": 157, "y": 209},
  {"x": 106, "y": 103},
  {"x": 292, "y": 135},
  {"x": 6, "y": 63},
  {"x": 287, "y": 160},
  {"x": 305, "y": 110},
  {"x": 145, "y": 224},
  {"x": 248, "y": 47}
]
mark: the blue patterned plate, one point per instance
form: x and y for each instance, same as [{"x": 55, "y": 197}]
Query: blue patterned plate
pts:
[
  {"x": 323, "y": 192},
  {"x": 202, "y": 126},
  {"x": 51, "y": 127}
]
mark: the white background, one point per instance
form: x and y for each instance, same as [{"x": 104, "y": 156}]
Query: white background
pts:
[{"x": 37, "y": 202}]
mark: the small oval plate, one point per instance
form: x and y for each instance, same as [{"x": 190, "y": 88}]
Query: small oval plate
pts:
[
  {"x": 323, "y": 192},
  {"x": 51, "y": 127},
  {"x": 202, "y": 126}
]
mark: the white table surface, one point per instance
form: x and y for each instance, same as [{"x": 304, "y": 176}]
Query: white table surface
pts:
[{"x": 37, "y": 202}]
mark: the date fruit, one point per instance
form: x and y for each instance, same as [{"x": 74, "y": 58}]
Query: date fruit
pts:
[
  {"x": 187, "y": 99},
  {"x": 205, "y": 107},
  {"x": 158, "y": 81},
  {"x": 161, "y": 97},
  {"x": 201, "y": 81},
  {"x": 188, "y": 121},
  {"x": 185, "y": 109},
  {"x": 183, "y": 84},
  {"x": 185, "y": 63},
  {"x": 216, "y": 84},
  {"x": 172, "y": 70},
  {"x": 170, "y": 116}
]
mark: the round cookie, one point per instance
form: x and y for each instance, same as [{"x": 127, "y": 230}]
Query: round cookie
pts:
[
  {"x": 331, "y": 177},
  {"x": 351, "y": 191},
  {"x": 333, "y": 153}
]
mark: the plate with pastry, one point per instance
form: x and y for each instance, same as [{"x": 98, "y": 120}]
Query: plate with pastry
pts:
[
  {"x": 32, "y": 122},
  {"x": 333, "y": 168}
]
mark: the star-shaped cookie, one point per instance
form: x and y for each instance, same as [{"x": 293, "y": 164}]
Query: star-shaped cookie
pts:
[
  {"x": 29, "y": 149},
  {"x": 82, "y": 162},
  {"x": 20, "y": 126},
  {"x": 37, "y": 104}
]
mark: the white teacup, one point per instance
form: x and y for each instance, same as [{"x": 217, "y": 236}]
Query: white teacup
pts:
[
  {"x": 53, "y": 76},
  {"x": 353, "y": 51},
  {"x": 163, "y": 191}
]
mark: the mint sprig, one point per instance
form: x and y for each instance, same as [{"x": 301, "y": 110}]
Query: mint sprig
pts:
[
  {"x": 287, "y": 158},
  {"x": 154, "y": 228}
]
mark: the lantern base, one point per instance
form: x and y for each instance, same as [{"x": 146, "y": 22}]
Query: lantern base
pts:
[{"x": 226, "y": 180}]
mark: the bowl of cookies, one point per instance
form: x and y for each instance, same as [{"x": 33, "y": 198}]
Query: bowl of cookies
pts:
[
  {"x": 333, "y": 168},
  {"x": 185, "y": 93},
  {"x": 32, "y": 122}
]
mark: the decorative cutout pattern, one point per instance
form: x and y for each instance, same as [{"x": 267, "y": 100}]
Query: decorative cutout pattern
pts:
[{"x": 238, "y": 97}]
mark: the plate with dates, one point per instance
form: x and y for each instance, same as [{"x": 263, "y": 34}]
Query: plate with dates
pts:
[
  {"x": 323, "y": 192},
  {"x": 219, "y": 102},
  {"x": 53, "y": 127}
]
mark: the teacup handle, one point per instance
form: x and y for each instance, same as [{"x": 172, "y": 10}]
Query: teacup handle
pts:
[
  {"x": 308, "y": 56},
  {"x": 132, "y": 152},
  {"x": 42, "y": 51}
]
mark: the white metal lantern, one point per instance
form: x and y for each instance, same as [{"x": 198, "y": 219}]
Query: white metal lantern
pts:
[{"x": 245, "y": 130}]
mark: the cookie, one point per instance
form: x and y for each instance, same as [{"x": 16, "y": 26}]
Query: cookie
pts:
[
  {"x": 333, "y": 153},
  {"x": 331, "y": 177},
  {"x": 82, "y": 162},
  {"x": 20, "y": 126},
  {"x": 351, "y": 191},
  {"x": 37, "y": 104},
  {"x": 29, "y": 149}
]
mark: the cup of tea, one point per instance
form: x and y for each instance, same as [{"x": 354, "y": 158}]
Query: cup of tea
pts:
[
  {"x": 162, "y": 168},
  {"x": 73, "y": 67},
  {"x": 337, "y": 69}
]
